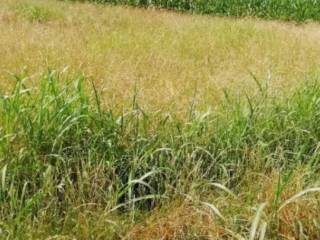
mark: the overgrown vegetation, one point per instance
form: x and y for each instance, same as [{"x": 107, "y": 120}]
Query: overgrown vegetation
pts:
[
  {"x": 299, "y": 10},
  {"x": 62, "y": 153},
  {"x": 170, "y": 131}
]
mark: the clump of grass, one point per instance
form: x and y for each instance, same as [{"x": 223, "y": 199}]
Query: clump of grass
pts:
[
  {"x": 274, "y": 9},
  {"x": 62, "y": 152},
  {"x": 35, "y": 13}
]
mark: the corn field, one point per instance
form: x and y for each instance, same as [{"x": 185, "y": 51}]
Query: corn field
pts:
[{"x": 299, "y": 10}]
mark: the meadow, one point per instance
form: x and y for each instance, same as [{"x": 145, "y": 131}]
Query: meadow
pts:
[
  {"x": 127, "y": 123},
  {"x": 182, "y": 57}
]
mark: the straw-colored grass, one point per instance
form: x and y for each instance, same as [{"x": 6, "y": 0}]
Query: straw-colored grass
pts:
[
  {"x": 156, "y": 125},
  {"x": 171, "y": 58}
]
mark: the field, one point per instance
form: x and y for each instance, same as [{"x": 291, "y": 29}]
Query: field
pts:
[
  {"x": 128, "y": 123},
  {"x": 298, "y": 10}
]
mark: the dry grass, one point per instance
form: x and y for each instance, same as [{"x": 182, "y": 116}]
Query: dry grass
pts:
[
  {"x": 187, "y": 220},
  {"x": 170, "y": 57},
  {"x": 178, "y": 221}
]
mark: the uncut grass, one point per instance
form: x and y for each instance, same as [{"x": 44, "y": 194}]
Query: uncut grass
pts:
[
  {"x": 171, "y": 58},
  {"x": 68, "y": 163}
]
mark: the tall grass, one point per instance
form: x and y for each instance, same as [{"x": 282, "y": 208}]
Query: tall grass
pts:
[
  {"x": 298, "y": 10},
  {"x": 59, "y": 149}
]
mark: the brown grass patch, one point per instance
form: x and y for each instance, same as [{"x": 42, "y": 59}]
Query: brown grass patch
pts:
[{"x": 179, "y": 221}]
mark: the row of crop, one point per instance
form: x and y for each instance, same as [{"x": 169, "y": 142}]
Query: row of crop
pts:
[{"x": 299, "y": 10}]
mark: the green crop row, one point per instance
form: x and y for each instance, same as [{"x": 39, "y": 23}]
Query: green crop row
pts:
[{"x": 298, "y": 10}]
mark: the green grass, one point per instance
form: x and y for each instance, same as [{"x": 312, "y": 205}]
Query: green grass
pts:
[
  {"x": 36, "y": 13},
  {"x": 60, "y": 150},
  {"x": 299, "y": 10}
]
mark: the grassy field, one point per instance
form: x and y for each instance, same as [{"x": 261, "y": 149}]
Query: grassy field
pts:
[
  {"x": 124, "y": 123},
  {"x": 171, "y": 59}
]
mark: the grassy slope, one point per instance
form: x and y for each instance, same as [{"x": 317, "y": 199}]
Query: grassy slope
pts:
[{"x": 74, "y": 167}]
